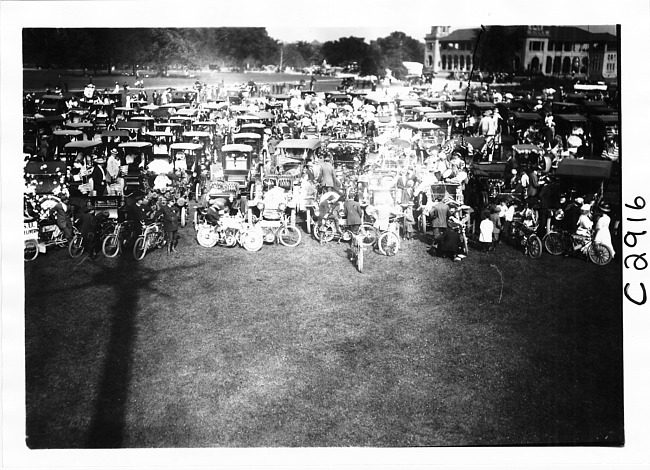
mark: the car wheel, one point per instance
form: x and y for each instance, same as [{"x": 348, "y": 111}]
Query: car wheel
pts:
[
  {"x": 599, "y": 254},
  {"x": 388, "y": 244},
  {"x": 31, "y": 250},
  {"x": 253, "y": 239},
  {"x": 554, "y": 243},
  {"x": 534, "y": 246},
  {"x": 111, "y": 246},
  {"x": 290, "y": 236},
  {"x": 139, "y": 249},
  {"x": 368, "y": 234},
  {"x": 206, "y": 237},
  {"x": 76, "y": 247}
]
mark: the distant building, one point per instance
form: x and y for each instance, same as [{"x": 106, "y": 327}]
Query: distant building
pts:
[{"x": 550, "y": 50}]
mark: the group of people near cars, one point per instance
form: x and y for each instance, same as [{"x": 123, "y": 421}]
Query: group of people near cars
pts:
[{"x": 420, "y": 165}]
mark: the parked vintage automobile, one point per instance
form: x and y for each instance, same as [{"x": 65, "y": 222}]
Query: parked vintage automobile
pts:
[
  {"x": 292, "y": 154},
  {"x": 348, "y": 153},
  {"x": 238, "y": 165}
]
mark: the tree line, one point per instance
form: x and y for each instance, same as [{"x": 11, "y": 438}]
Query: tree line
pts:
[{"x": 161, "y": 49}]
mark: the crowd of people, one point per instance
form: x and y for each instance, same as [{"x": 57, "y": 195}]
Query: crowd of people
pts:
[{"x": 409, "y": 171}]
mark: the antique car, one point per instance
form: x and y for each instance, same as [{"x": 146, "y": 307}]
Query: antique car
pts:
[
  {"x": 63, "y": 137},
  {"x": 136, "y": 156},
  {"x": 293, "y": 153},
  {"x": 50, "y": 105},
  {"x": 255, "y": 141},
  {"x": 445, "y": 123},
  {"x": 580, "y": 177},
  {"x": 405, "y": 109},
  {"x": 574, "y": 131},
  {"x": 238, "y": 165},
  {"x": 348, "y": 153},
  {"x": 84, "y": 151},
  {"x": 603, "y": 128}
]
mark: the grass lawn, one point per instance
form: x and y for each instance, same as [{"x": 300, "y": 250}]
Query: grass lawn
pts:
[{"x": 293, "y": 347}]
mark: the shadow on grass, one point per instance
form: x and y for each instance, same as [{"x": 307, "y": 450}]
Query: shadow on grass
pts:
[{"x": 128, "y": 278}]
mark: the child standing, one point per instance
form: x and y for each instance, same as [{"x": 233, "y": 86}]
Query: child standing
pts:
[
  {"x": 486, "y": 228},
  {"x": 409, "y": 221},
  {"x": 496, "y": 221}
]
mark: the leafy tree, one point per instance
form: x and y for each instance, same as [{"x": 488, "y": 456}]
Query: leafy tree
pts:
[
  {"x": 345, "y": 50},
  {"x": 310, "y": 52},
  {"x": 396, "y": 49}
]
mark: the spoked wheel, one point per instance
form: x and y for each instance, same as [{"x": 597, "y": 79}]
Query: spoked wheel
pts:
[
  {"x": 309, "y": 222},
  {"x": 359, "y": 253},
  {"x": 183, "y": 216},
  {"x": 599, "y": 253},
  {"x": 290, "y": 236},
  {"x": 534, "y": 246},
  {"x": 554, "y": 243},
  {"x": 111, "y": 246},
  {"x": 139, "y": 249},
  {"x": 31, "y": 250},
  {"x": 368, "y": 234},
  {"x": 388, "y": 244},
  {"x": 252, "y": 240},
  {"x": 323, "y": 235},
  {"x": 76, "y": 247},
  {"x": 230, "y": 238},
  {"x": 197, "y": 192},
  {"x": 206, "y": 237}
]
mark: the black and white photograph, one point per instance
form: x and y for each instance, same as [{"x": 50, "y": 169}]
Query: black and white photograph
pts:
[{"x": 381, "y": 236}]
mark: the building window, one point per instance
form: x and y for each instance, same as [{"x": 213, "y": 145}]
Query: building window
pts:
[
  {"x": 429, "y": 61},
  {"x": 535, "y": 46},
  {"x": 557, "y": 64},
  {"x": 585, "y": 65},
  {"x": 575, "y": 65},
  {"x": 566, "y": 65},
  {"x": 534, "y": 64},
  {"x": 455, "y": 62},
  {"x": 567, "y": 47},
  {"x": 549, "y": 66},
  {"x": 444, "y": 62},
  {"x": 462, "y": 62},
  {"x": 430, "y": 45},
  {"x": 468, "y": 62}
]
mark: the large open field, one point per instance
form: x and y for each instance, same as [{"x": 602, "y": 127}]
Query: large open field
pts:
[
  {"x": 39, "y": 80},
  {"x": 293, "y": 347}
]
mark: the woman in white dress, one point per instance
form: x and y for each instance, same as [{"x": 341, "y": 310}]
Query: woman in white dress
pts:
[{"x": 602, "y": 234}]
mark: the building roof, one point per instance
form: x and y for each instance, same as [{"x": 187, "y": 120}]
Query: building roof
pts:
[
  {"x": 556, "y": 33},
  {"x": 460, "y": 35}
]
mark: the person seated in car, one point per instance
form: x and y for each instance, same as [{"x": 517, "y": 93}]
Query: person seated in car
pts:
[{"x": 213, "y": 214}]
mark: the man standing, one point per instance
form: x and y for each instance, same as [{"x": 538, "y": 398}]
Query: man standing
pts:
[
  {"x": 99, "y": 177},
  {"x": 533, "y": 185},
  {"x": 353, "y": 213},
  {"x": 171, "y": 216},
  {"x": 60, "y": 211},
  {"x": 327, "y": 175},
  {"x": 439, "y": 213}
]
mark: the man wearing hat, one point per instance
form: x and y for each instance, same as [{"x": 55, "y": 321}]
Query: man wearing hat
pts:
[
  {"x": 99, "y": 176},
  {"x": 327, "y": 176},
  {"x": 113, "y": 166},
  {"x": 486, "y": 124},
  {"x": 171, "y": 220}
]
